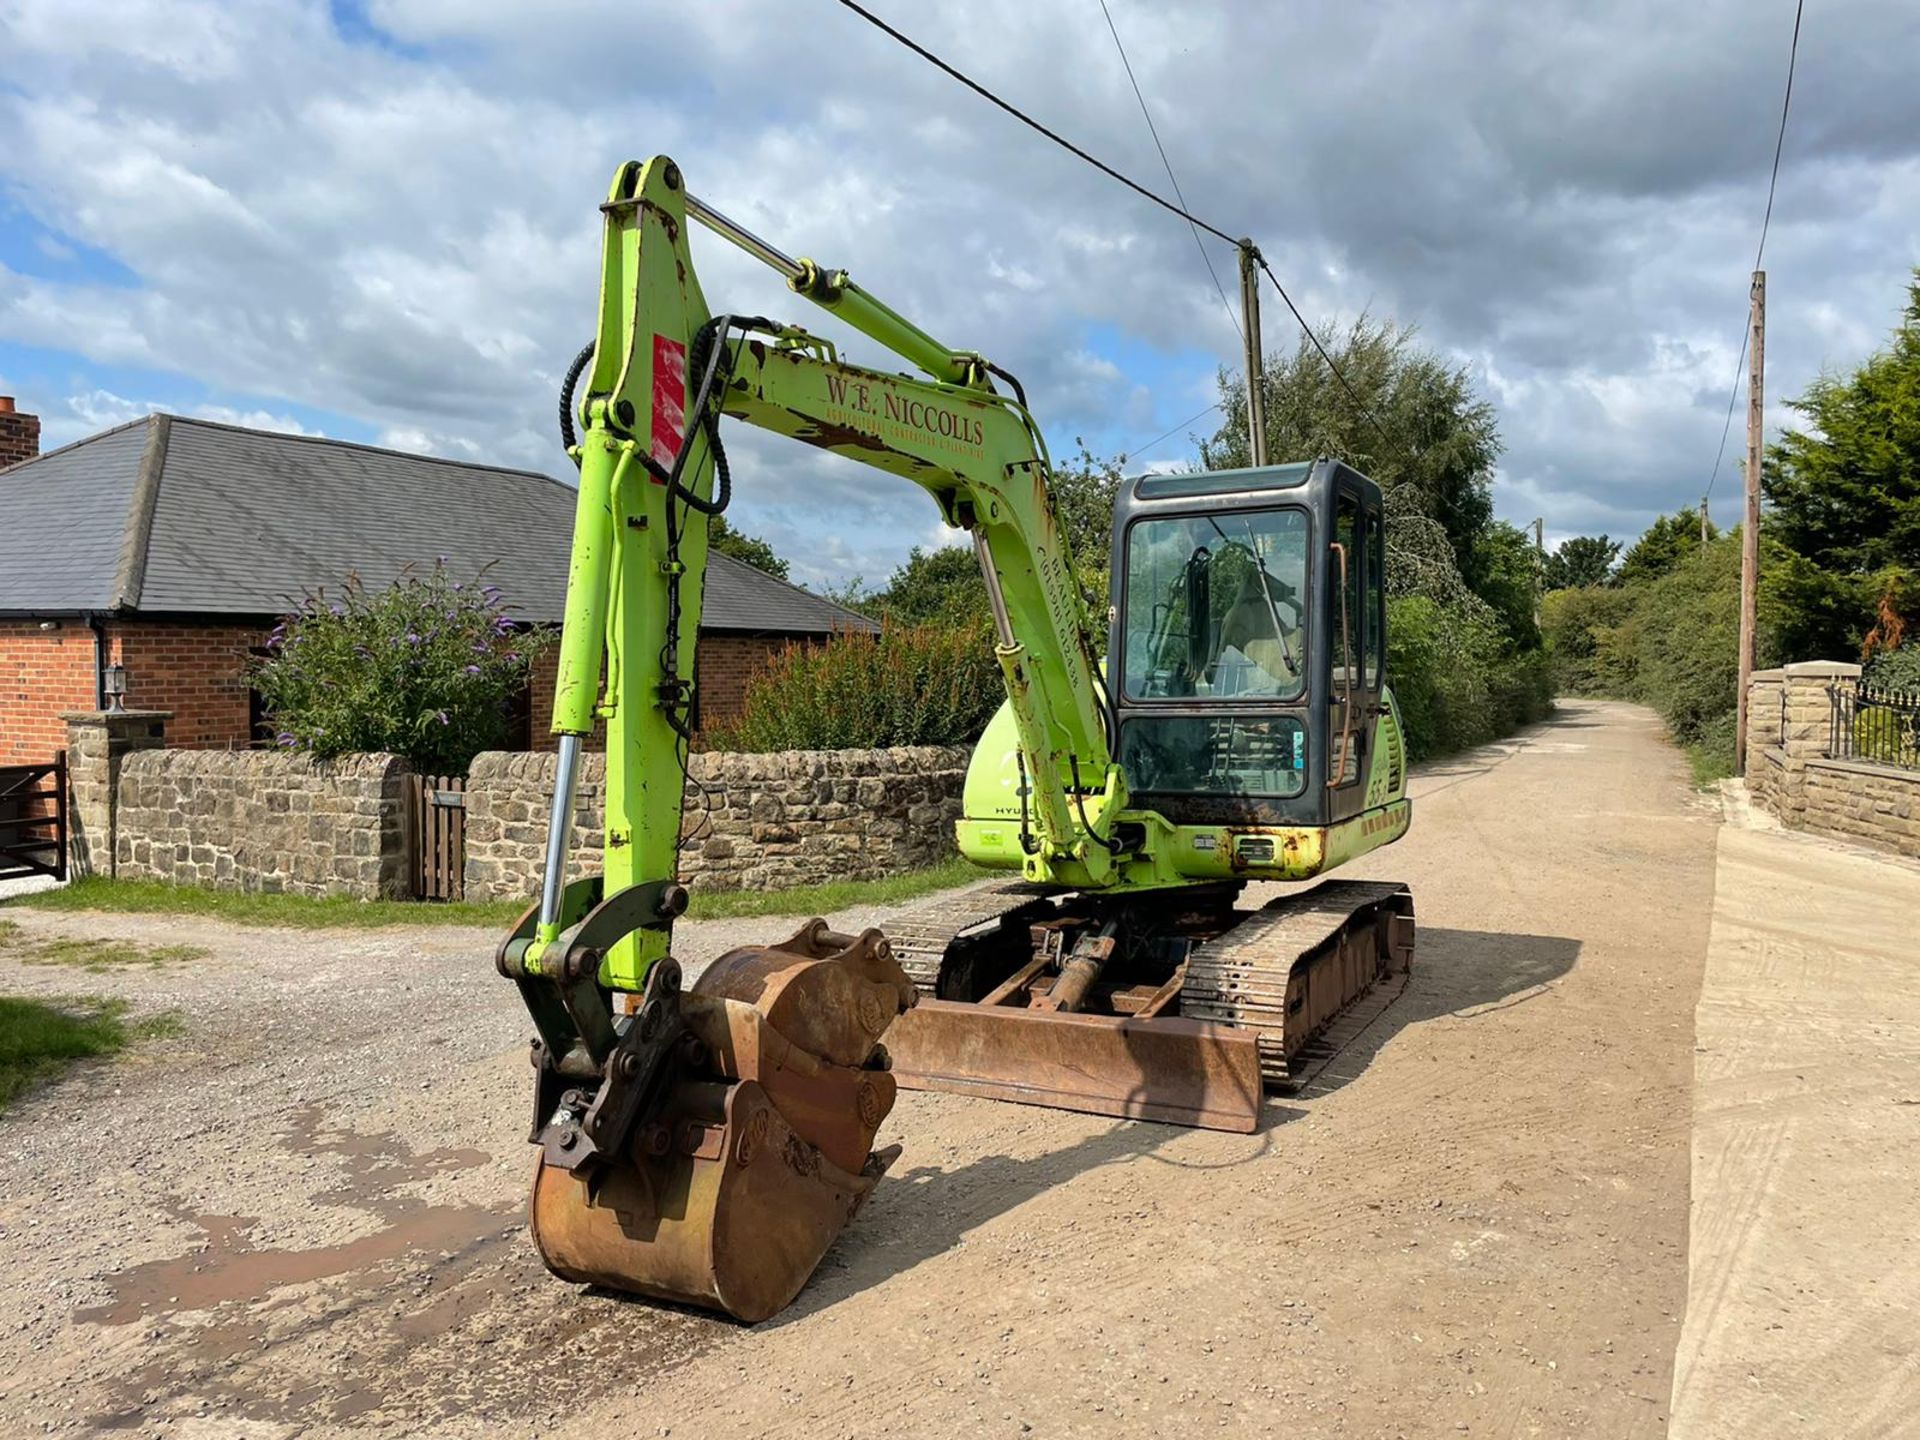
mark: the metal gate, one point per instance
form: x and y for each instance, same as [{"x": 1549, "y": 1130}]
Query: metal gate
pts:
[
  {"x": 439, "y": 836},
  {"x": 33, "y": 819}
]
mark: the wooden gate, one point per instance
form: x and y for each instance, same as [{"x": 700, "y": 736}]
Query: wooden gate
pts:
[
  {"x": 439, "y": 836},
  {"x": 33, "y": 819}
]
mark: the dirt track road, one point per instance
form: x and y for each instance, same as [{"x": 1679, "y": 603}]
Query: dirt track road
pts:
[{"x": 301, "y": 1217}]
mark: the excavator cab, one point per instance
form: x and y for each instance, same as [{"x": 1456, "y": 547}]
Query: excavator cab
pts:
[
  {"x": 1247, "y": 643},
  {"x": 1246, "y": 680}
]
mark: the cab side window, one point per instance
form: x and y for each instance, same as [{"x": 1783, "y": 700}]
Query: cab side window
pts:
[
  {"x": 1348, "y": 621},
  {"x": 1376, "y": 602}
]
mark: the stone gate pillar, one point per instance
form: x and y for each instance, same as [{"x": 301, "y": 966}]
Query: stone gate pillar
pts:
[{"x": 97, "y": 741}]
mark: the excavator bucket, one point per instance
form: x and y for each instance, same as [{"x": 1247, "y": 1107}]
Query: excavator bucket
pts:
[{"x": 758, "y": 1151}]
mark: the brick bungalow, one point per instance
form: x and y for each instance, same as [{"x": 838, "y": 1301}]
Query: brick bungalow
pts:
[{"x": 169, "y": 546}]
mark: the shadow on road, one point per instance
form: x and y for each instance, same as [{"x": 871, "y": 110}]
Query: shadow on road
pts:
[
  {"x": 1463, "y": 973},
  {"x": 926, "y": 1210},
  {"x": 929, "y": 1210}
]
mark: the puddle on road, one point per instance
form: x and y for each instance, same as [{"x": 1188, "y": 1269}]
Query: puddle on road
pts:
[
  {"x": 231, "y": 1269},
  {"x": 439, "y": 1311}
]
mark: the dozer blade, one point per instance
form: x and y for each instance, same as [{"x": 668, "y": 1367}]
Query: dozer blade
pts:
[
  {"x": 1183, "y": 1072},
  {"x": 756, "y": 1156}
]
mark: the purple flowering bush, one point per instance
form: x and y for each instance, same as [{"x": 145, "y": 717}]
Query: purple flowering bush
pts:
[{"x": 426, "y": 668}]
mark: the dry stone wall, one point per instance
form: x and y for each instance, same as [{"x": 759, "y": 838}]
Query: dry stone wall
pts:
[
  {"x": 752, "y": 822},
  {"x": 265, "y": 821},
  {"x": 272, "y": 821}
]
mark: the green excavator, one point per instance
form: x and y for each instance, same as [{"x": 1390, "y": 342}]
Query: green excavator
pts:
[{"x": 704, "y": 1144}]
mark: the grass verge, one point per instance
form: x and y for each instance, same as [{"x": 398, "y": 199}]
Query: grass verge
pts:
[
  {"x": 1711, "y": 764},
  {"x": 839, "y": 895},
  {"x": 39, "y": 1038},
  {"x": 330, "y": 912},
  {"x": 94, "y": 956}
]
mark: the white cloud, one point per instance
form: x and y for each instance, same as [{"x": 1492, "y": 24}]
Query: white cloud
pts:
[
  {"x": 95, "y": 410},
  {"x": 406, "y": 234}
]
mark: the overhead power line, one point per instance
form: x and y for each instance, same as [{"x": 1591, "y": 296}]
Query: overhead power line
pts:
[
  {"x": 1033, "y": 124},
  {"x": 1773, "y": 181},
  {"x": 1366, "y": 410},
  {"x": 1780, "y": 138},
  {"x": 1132, "y": 184},
  {"x": 1135, "y": 454},
  {"x": 1172, "y": 179}
]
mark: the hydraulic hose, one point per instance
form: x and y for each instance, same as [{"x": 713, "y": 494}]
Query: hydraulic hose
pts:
[{"x": 574, "y": 371}]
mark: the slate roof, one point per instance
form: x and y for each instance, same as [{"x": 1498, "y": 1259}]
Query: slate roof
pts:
[{"x": 179, "y": 516}]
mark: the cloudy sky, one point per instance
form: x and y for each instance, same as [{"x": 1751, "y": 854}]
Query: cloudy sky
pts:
[{"x": 376, "y": 219}]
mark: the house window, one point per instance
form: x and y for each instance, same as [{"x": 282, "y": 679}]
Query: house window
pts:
[
  {"x": 517, "y": 733},
  {"x": 260, "y": 731}
]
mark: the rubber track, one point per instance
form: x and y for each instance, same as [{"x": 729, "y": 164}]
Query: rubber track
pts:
[
  {"x": 922, "y": 936},
  {"x": 1241, "y": 978}
]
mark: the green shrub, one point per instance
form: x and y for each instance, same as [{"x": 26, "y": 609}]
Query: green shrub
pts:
[
  {"x": 914, "y": 685},
  {"x": 1457, "y": 681},
  {"x": 1684, "y": 637},
  {"x": 1577, "y": 627},
  {"x": 1885, "y": 735},
  {"x": 1895, "y": 669},
  {"x": 1712, "y": 754},
  {"x": 424, "y": 669}
]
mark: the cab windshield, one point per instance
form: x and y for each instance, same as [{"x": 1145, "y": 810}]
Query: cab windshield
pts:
[{"x": 1214, "y": 606}]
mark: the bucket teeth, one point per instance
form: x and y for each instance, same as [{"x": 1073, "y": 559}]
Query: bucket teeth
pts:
[{"x": 760, "y": 1149}]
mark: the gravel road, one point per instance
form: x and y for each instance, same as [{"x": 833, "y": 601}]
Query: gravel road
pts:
[{"x": 301, "y": 1215}]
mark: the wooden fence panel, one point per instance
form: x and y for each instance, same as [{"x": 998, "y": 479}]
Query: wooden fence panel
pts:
[{"x": 439, "y": 829}]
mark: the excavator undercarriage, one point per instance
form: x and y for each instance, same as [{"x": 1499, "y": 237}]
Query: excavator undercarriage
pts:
[{"x": 1175, "y": 1007}]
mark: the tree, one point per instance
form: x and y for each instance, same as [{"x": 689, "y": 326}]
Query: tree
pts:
[
  {"x": 1845, "y": 493},
  {"x": 1434, "y": 437},
  {"x": 1084, "y": 490},
  {"x": 1583, "y": 560},
  {"x": 1667, "y": 542},
  {"x": 1844, "y": 496},
  {"x": 942, "y": 584},
  {"x": 1572, "y": 622},
  {"x": 748, "y": 549},
  {"x": 1510, "y": 582},
  {"x": 424, "y": 669}
]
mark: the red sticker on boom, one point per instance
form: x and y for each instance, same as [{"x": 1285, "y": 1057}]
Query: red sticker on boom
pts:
[{"x": 669, "y": 399}]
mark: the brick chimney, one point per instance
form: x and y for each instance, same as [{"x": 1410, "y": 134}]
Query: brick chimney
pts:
[{"x": 19, "y": 434}]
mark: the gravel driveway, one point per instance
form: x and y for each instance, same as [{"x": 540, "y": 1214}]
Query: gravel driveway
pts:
[{"x": 301, "y": 1214}]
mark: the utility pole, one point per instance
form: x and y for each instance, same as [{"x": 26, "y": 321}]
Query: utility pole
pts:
[
  {"x": 1706, "y": 525},
  {"x": 1256, "y": 373},
  {"x": 1750, "y": 525},
  {"x": 1539, "y": 563}
]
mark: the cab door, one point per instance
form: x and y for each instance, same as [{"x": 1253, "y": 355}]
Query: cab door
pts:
[{"x": 1357, "y": 641}]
